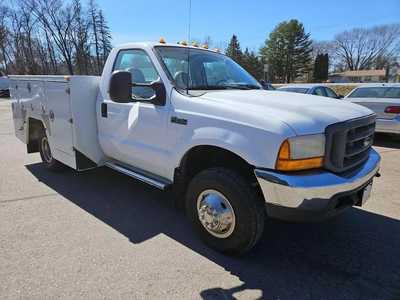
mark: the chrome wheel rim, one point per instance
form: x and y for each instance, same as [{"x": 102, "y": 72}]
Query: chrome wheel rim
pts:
[
  {"x": 46, "y": 150},
  {"x": 216, "y": 213}
]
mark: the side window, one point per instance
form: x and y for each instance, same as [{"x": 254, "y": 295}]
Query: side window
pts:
[
  {"x": 138, "y": 63},
  {"x": 330, "y": 93},
  {"x": 319, "y": 91}
]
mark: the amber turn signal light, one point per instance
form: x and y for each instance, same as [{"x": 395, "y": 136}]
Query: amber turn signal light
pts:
[{"x": 285, "y": 163}]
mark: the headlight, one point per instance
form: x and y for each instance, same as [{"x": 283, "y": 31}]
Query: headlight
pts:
[{"x": 301, "y": 153}]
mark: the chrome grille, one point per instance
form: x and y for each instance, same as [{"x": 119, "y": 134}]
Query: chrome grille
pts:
[{"x": 348, "y": 143}]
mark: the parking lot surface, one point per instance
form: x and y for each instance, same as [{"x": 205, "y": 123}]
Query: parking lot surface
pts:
[{"x": 100, "y": 234}]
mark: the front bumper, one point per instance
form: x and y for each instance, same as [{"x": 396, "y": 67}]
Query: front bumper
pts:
[
  {"x": 388, "y": 125},
  {"x": 315, "y": 195}
]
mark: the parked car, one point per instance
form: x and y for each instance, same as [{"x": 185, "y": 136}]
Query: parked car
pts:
[
  {"x": 4, "y": 87},
  {"x": 234, "y": 152},
  {"x": 267, "y": 86},
  {"x": 311, "y": 89},
  {"x": 384, "y": 100}
]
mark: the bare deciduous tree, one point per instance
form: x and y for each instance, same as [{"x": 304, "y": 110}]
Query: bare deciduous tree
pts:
[
  {"x": 52, "y": 37},
  {"x": 58, "y": 20},
  {"x": 359, "y": 48}
]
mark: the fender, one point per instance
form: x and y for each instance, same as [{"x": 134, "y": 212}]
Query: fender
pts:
[{"x": 233, "y": 141}]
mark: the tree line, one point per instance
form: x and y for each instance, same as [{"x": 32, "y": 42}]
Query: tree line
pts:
[
  {"x": 53, "y": 37},
  {"x": 291, "y": 54},
  {"x": 73, "y": 37}
]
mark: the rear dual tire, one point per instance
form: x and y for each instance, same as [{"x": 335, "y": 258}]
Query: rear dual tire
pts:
[
  {"x": 225, "y": 210},
  {"x": 48, "y": 160}
]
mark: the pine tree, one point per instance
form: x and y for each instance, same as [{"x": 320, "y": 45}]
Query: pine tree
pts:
[
  {"x": 325, "y": 67},
  {"x": 105, "y": 38},
  {"x": 317, "y": 68},
  {"x": 94, "y": 24},
  {"x": 252, "y": 64},
  {"x": 80, "y": 39},
  {"x": 288, "y": 51},
  {"x": 321, "y": 66},
  {"x": 234, "y": 51}
]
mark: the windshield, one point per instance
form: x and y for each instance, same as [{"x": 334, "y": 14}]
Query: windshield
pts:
[
  {"x": 207, "y": 71},
  {"x": 376, "y": 92},
  {"x": 295, "y": 90}
]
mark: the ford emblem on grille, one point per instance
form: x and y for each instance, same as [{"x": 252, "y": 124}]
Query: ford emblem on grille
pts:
[{"x": 367, "y": 141}]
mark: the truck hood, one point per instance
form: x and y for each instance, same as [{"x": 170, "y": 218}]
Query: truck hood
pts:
[{"x": 305, "y": 114}]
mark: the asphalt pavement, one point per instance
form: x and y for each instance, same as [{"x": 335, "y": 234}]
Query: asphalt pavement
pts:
[{"x": 103, "y": 235}]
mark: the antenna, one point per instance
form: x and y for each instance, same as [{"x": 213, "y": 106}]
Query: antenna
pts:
[
  {"x": 189, "y": 37},
  {"x": 190, "y": 20}
]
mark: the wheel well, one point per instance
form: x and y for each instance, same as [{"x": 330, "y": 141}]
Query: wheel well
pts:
[
  {"x": 36, "y": 129},
  {"x": 203, "y": 157}
]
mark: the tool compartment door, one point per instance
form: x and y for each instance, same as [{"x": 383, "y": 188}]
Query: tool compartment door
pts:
[
  {"x": 58, "y": 119},
  {"x": 18, "y": 112}
]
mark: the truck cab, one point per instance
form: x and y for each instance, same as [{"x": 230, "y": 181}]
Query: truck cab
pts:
[{"x": 191, "y": 120}]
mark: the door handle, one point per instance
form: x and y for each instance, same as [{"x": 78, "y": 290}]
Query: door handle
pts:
[
  {"x": 51, "y": 115},
  {"x": 104, "y": 112}
]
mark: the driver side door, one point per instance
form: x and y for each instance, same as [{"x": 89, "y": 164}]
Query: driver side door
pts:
[{"x": 134, "y": 133}]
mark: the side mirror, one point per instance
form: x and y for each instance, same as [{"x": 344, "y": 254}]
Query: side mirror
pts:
[
  {"x": 121, "y": 89},
  {"x": 160, "y": 93}
]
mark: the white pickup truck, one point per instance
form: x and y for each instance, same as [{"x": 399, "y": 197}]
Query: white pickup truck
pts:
[{"x": 192, "y": 120}]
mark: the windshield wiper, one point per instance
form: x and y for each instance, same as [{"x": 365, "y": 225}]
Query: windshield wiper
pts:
[
  {"x": 241, "y": 86},
  {"x": 226, "y": 87},
  {"x": 208, "y": 87}
]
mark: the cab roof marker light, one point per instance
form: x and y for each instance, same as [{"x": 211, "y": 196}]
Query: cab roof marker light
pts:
[{"x": 162, "y": 40}]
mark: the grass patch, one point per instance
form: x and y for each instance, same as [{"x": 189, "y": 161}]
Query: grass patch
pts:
[{"x": 342, "y": 89}]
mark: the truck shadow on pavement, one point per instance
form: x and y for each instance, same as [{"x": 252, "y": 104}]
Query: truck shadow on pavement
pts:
[{"x": 355, "y": 256}]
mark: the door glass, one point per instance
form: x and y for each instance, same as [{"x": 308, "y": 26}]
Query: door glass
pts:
[
  {"x": 138, "y": 63},
  {"x": 319, "y": 92},
  {"x": 330, "y": 93}
]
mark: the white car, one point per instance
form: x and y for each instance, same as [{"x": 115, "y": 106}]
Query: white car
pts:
[
  {"x": 384, "y": 100},
  {"x": 235, "y": 153}
]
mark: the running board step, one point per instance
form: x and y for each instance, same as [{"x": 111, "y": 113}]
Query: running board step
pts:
[{"x": 141, "y": 177}]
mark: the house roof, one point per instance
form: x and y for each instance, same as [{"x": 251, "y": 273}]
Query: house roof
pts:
[{"x": 362, "y": 73}]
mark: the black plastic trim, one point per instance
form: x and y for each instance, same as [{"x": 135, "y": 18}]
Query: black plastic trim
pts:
[
  {"x": 336, "y": 141},
  {"x": 83, "y": 162}
]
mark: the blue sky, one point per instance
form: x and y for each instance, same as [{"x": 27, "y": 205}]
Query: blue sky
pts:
[{"x": 251, "y": 20}]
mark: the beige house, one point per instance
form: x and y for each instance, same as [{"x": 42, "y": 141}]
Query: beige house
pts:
[{"x": 359, "y": 76}]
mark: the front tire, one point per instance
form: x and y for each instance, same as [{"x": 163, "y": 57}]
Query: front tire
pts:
[
  {"x": 48, "y": 160},
  {"x": 225, "y": 210}
]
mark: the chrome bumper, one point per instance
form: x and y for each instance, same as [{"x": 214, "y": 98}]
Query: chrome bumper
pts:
[
  {"x": 388, "y": 125},
  {"x": 314, "y": 190}
]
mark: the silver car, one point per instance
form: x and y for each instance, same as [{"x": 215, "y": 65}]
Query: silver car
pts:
[
  {"x": 384, "y": 100},
  {"x": 311, "y": 89}
]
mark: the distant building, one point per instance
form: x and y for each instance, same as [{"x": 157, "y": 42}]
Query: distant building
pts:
[{"x": 359, "y": 76}]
